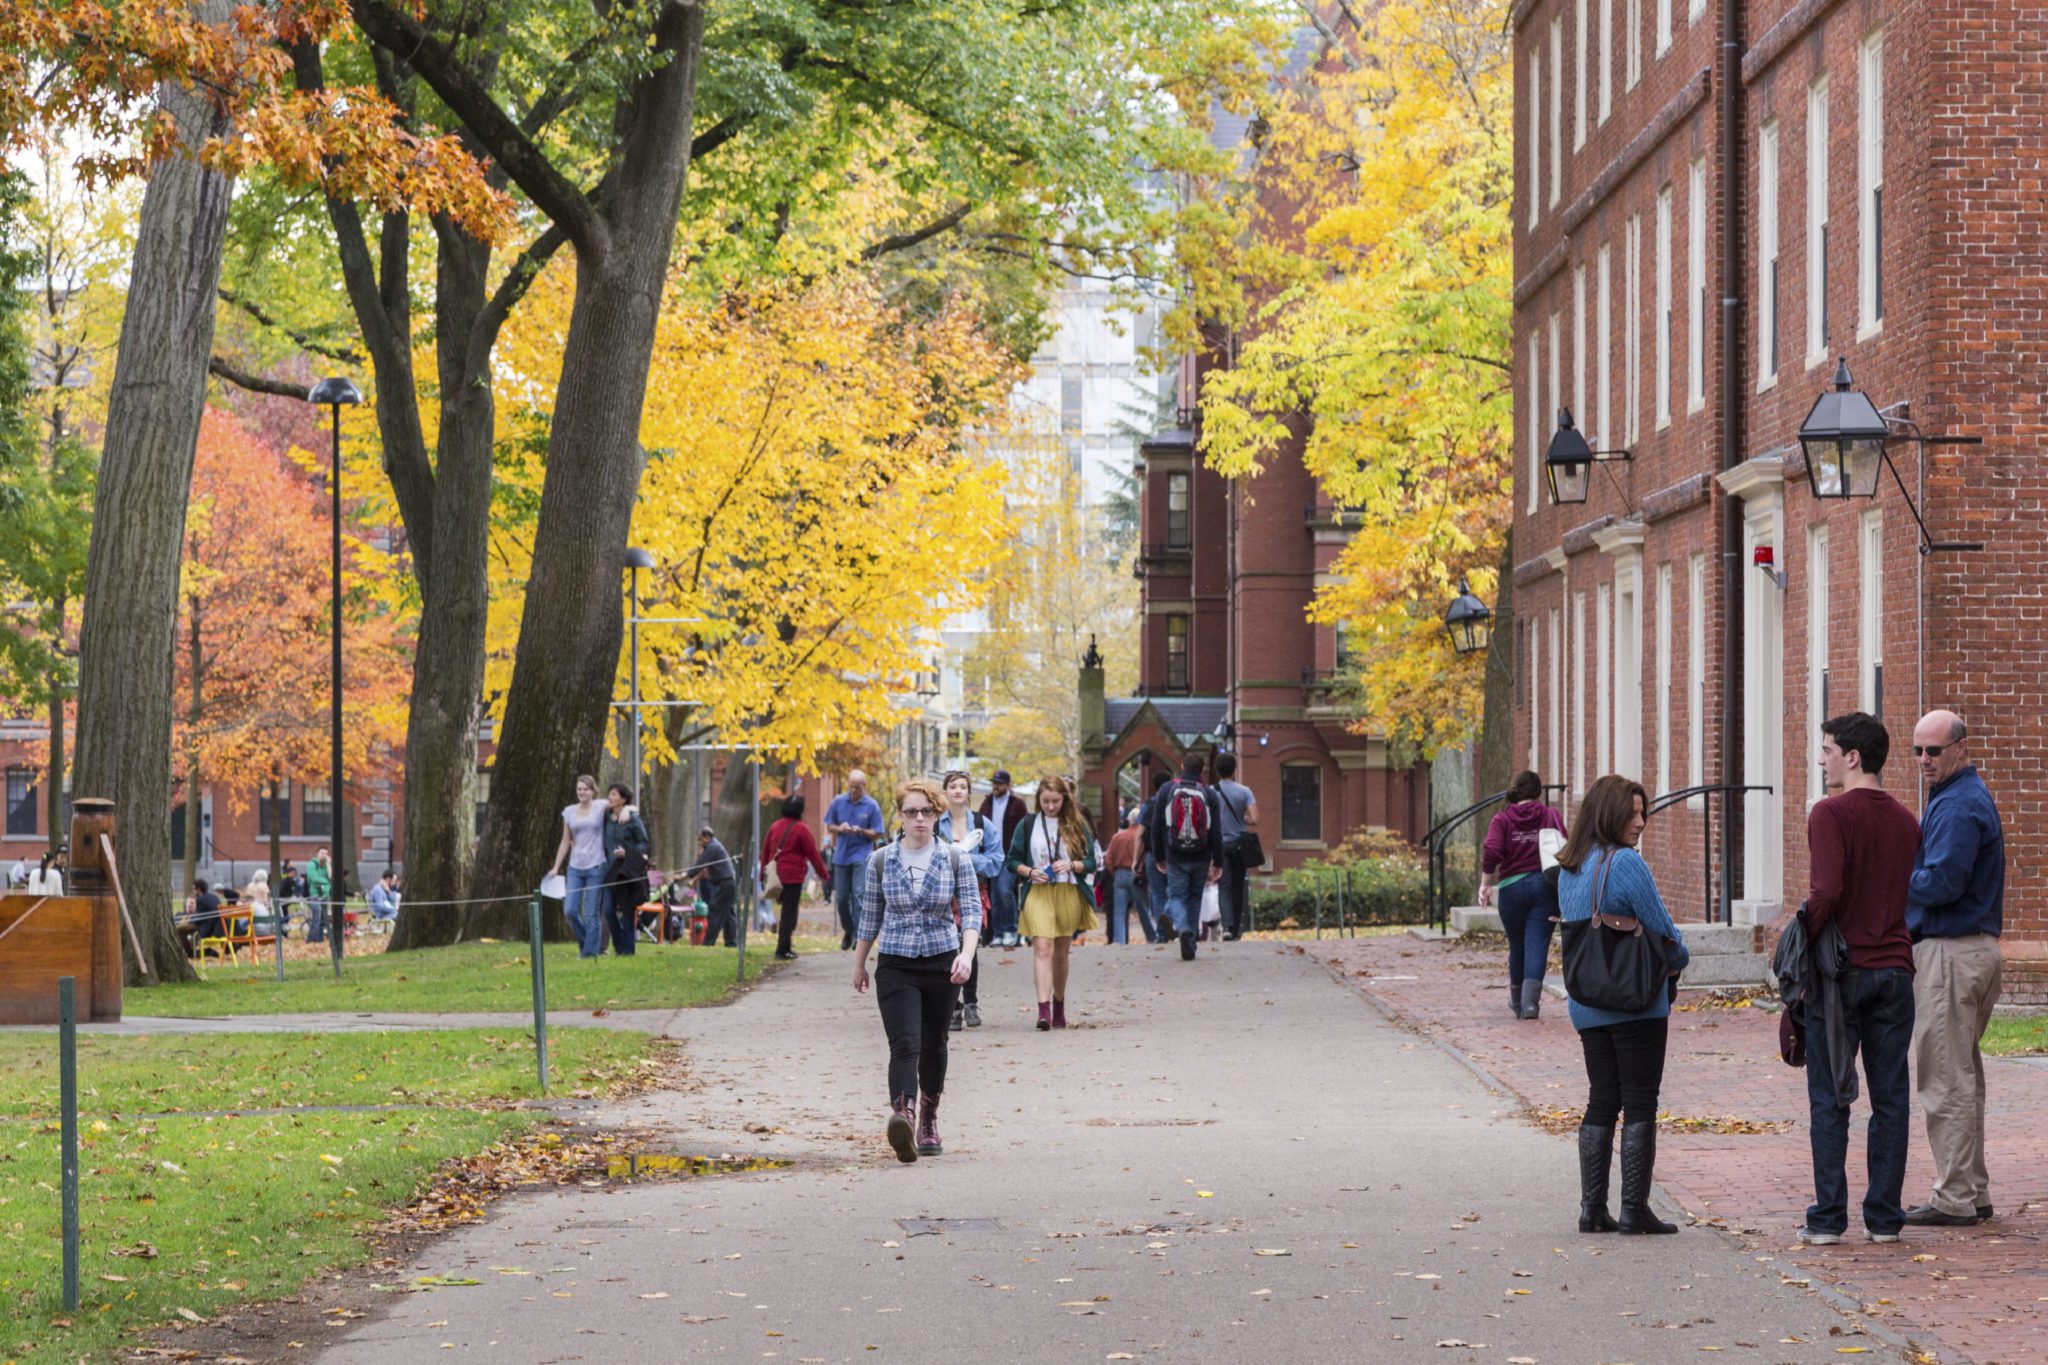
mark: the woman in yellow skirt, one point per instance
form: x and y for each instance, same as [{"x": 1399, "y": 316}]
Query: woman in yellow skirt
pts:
[{"x": 1052, "y": 854}]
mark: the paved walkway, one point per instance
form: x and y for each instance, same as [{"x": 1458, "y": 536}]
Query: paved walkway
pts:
[
  {"x": 1236, "y": 1159},
  {"x": 1978, "y": 1292}
]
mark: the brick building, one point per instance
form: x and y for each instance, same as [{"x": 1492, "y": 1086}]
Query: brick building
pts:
[{"x": 1703, "y": 227}]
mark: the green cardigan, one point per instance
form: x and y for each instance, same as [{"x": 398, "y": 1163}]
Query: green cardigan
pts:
[{"x": 1020, "y": 857}]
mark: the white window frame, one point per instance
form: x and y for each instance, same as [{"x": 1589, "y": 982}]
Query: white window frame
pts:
[
  {"x": 1767, "y": 257},
  {"x": 1606, "y": 59},
  {"x": 1556, "y": 110},
  {"x": 1870, "y": 186},
  {"x": 1535, "y": 68},
  {"x": 1663, "y": 683},
  {"x": 1603, "y": 332},
  {"x": 1634, "y": 44},
  {"x": 1696, "y": 288},
  {"x": 1632, "y": 332},
  {"x": 1816, "y": 654},
  {"x": 1579, "y": 412},
  {"x": 1661, "y": 320},
  {"x": 1663, "y": 27},
  {"x": 1556, "y": 695},
  {"x": 1579, "y": 691},
  {"x": 1579, "y": 77},
  {"x": 1628, "y": 669},
  {"x": 1535, "y": 420},
  {"x": 1535, "y": 694},
  {"x": 1816, "y": 222},
  {"x": 1694, "y": 9},
  {"x": 1696, "y": 673},
  {"x": 1603, "y": 676},
  {"x": 1556, "y": 368},
  {"x": 1870, "y": 611}
]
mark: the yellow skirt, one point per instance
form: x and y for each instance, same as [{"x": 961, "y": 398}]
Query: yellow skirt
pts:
[{"x": 1055, "y": 910}]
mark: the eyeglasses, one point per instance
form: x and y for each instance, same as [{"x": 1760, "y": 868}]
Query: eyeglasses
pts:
[
  {"x": 916, "y": 812},
  {"x": 1930, "y": 750}
]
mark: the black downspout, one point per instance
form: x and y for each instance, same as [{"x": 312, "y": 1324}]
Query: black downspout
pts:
[{"x": 1733, "y": 183}]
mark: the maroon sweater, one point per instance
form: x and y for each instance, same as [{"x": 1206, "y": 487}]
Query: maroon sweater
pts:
[{"x": 1862, "y": 844}]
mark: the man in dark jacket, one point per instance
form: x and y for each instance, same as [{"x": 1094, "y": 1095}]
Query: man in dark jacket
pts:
[
  {"x": 1006, "y": 810},
  {"x": 1955, "y": 911},
  {"x": 1185, "y": 840},
  {"x": 713, "y": 873}
]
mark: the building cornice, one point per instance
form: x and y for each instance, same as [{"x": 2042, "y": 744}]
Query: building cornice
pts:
[
  {"x": 1759, "y": 479},
  {"x": 1683, "y": 496},
  {"x": 1579, "y": 539},
  {"x": 1620, "y": 538},
  {"x": 1539, "y": 275},
  {"x": 1782, "y": 35},
  {"x": 1675, "y": 111},
  {"x": 1529, "y": 570},
  {"x": 1555, "y": 558}
]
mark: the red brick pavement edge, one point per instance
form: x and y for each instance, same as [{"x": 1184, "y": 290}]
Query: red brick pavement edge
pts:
[{"x": 1970, "y": 1294}]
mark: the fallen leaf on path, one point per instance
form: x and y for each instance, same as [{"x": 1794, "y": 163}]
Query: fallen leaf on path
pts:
[
  {"x": 1272, "y": 1251},
  {"x": 696, "y": 1321},
  {"x": 657, "y": 1294},
  {"x": 188, "y": 1315}
]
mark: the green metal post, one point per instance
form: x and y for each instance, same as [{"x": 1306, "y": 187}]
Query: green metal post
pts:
[
  {"x": 540, "y": 992},
  {"x": 67, "y": 1087}
]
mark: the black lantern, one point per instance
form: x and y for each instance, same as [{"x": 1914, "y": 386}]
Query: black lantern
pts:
[
  {"x": 1469, "y": 621},
  {"x": 1568, "y": 464},
  {"x": 1843, "y": 438}
]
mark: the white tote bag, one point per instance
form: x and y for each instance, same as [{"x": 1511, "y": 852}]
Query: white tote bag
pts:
[
  {"x": 1212, "y": 904},
  {"x": 1548, "y": 843}
]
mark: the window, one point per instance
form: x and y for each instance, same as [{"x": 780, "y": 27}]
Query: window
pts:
[
  {"x": 483, "y": 798},
  {"x": 1696, "y": 672},
  {"x": 1870, "y": 184},
  {"x": 1535, "y": 395},
  {"x": 1663, "y": 27},
  {"x": 1301, "y": 803},
  {"x": 1817, "y": 222},
  {"x": 1579, "y": 346},
  {"x": 1579, "y": 78},
  {"x": 1816, "y": 654},
  {"x": 1070, "y": 401},
  {"x": 1663, "y": 681},
  {"x": 21, "y": 801},
  {"x": 1870, "y": 633},
  {"x": 1606, "y": 59},
  {"x": 1556, "y": 697},
  {"x": 1603, "y": 329},
  {"x": 1177, "y": 653},
  {"x": 316, "y": 812},
  {"x": 1579, "y": 691},
  {"x": 1603, "y": 680},
  {"x": 1177, "y": 485},
  {"x": 1556, "y": 110},
  {"x": 1767, "y": 256},
  {"x": 1535, "y": 695},
  {"x": 1535, "y": 66},
  {"x": 1694, "y": 9},
  {"x": 1696, "y": 288},
  {"x": 274, "y": 808},
  {"x": 1634, "y": 49},
  {"x": 1632, "y": 345},
  {"x": 1556, "y": 368},
  {"x": 1663, "y": 316},
  {"x": 1628, "y": 673}
]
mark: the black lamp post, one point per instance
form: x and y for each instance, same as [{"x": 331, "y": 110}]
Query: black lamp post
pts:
[
  {"x": 335, "y": 393},
  {"x": 636, "y": 560},
  {"x": 1568, "y": 463},
  {"x": 1845, "y": 438},
  {"x": 1469, "y": 621}
]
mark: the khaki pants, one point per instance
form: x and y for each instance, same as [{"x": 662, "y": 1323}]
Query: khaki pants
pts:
[{"x": 1955, "y": 984}]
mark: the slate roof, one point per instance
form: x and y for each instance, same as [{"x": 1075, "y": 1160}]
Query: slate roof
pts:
[{"x": 1190, "y": 718}]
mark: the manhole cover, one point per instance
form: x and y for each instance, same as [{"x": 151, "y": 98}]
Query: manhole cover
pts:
[{"x": 921, "y": 1227}]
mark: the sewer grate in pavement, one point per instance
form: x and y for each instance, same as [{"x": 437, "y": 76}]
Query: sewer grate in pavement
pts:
[{"x": 932, "y": 1227}]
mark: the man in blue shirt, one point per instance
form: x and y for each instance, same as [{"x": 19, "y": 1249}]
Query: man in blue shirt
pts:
[
  {"x": 1955, "y": 911},
  {"x": 854, "y": 821}
]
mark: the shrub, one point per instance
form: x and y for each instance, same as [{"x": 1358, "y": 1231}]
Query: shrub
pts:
[{"x": 1389, "y": 885}]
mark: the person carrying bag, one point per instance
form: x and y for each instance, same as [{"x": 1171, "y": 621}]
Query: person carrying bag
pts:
[{"x": 1621, "y": 954}]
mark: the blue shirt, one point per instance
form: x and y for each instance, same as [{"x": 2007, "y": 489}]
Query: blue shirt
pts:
[
  {"x": 851, "y": 849},
  {"x": 1958, "y": 885},
  {"x": 986, "y": 855},
  {"x": 1630, "y": 890},
  {"x": 916, "y": 920}
]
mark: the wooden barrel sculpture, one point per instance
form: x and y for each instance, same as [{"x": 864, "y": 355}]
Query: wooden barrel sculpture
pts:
[{"x": 92, "y": 816}]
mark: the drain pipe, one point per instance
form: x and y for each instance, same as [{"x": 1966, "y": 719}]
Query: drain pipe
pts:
[{"x": 1733, "y": 580}]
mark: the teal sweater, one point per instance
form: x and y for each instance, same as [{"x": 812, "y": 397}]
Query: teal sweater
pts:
[{"x": 1630, "y": 890}]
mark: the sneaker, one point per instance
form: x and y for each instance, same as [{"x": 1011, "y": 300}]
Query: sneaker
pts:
[
  {"x": 1928, "y": 1216},
  {"x": 1884, "y": 1237},
  {"x": 785, "y": 957},
  {"x": 973, "y": 1016},
  {"x": 1187, "y": 947},
  {"x": 959, "y": 1020},
  {"x": 1819, "y": 1239}
]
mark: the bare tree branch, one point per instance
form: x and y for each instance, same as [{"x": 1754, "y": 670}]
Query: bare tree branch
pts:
[
  {"x": 903, "y": 241},
  {"x": 222, "y": 368},
  {"x": 304, "y": 341}
]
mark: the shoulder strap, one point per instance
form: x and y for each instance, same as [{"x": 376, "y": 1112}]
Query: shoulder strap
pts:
[{"x": 1600, "y": 880}]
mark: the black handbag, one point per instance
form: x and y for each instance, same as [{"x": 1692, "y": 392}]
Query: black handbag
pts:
[{"x": 1610, "y": 961}]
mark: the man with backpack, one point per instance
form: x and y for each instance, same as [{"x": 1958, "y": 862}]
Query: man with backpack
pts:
[{"x": 1185, "y": 836}]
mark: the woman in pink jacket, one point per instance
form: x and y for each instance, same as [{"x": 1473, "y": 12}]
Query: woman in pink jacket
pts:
[{"x": 1511, "y": 870}]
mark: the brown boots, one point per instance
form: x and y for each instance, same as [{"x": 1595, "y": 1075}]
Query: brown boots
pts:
[
  {"x": 928, "y": 1143},
  {"x": 902, "y": 1121}
]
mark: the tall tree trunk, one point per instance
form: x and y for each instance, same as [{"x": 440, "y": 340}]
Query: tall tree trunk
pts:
[
  {"x": 569, "y": 634},
  {"x": 129, "y": 625},
  {"x": 195, "y": 711},
  {"x": 55, "y": 768}
]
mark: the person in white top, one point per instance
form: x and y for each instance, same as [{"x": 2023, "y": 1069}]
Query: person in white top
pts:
[
  {"x": 48, "y": 880},
  {"x": 582, "y": 848}
]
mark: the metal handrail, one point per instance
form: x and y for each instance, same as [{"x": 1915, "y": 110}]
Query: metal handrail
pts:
[
  {"x": 1439, "y": 838},
  {"x": 1721, "y": 789}
]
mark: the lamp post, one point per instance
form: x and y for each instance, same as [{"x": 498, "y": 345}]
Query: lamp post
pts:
[
  {"x": 1468, "y": 621},
  {"x": 1568, "y": 463},
  {"x": 1846, "y": 442},
  {"x": 636, "y": 560},
  {"x": 335, "y": 393}
]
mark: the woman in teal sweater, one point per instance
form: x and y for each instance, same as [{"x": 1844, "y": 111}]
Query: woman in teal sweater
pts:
[{"x": 1600, "y": 870}]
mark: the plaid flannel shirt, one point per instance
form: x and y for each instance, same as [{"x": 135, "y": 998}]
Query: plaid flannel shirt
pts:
[{"x": 904, "y": 922}]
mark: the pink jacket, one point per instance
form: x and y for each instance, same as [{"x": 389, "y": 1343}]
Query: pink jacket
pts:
[{"x": 1510, "y": 848}]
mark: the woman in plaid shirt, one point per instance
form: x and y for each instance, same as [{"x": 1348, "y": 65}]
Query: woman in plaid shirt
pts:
[{"x": 911, "y": 893}]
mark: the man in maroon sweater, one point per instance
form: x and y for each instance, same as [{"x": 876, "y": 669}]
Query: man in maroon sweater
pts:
[{"x": 1861, "y": 846}]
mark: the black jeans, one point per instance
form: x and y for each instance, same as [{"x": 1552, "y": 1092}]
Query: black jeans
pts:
[
  {"x": 1877, "y": 1016},
  {"x": 718, "y": 916},
  {"x": 622, "y": 913},
  {"x": 916, "y": 997},
  {"x": 1236, "y": 892},
  {"x": 1624, "y": 1070},
  {"x": 790, "y": 896}
]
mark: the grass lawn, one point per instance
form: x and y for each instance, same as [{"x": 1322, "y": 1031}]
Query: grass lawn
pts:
[
  {"x": 469, "y": 976},
  {"x": 2016, "y": 1036},
  {"x": 190, "y": 1213}
]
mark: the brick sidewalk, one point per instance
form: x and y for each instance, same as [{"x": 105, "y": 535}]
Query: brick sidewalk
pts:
[{"x": 1970, "y": 1294}]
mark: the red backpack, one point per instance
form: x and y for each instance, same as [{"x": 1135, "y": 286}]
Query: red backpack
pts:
[{"x": 1187, "y": 819}]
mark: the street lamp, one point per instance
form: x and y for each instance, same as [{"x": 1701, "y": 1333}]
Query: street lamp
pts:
[
  {"x": 335, "y": 393},
  {"x": 1568, "y": 463},
  {"x": 1469, "y": 621},
  {"x": 1845, "y": 439},
  {"x": 636, "y": 560}
]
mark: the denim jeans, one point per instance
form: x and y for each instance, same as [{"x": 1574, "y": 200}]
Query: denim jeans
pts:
[
  {"x": 1877, "y": 1017},
  {"x": 585, "y": 903},
  {"x": 846, "y": 882},
  {"x": 1184, "y": 885},
  {"x": 1002, "y": 902},
  {"x": 1122, "y": 891},
  {"x": 1525, "y": 911},
  {"x": 1155, "y": 897}
]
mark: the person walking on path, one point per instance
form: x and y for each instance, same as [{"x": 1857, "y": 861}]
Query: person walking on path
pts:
[
  {"x": 792, "y": 846},
  {"x": 964, "y": 828},
  {"x": 854, "y": 820},
  {"x": 1124, "y": 860},
  {"x": 625, "y": 861},
  {"x": 1511, "y": 871},
  {"x": 319, "y": 890},
  {"x": 921, "y": 905},
  {"x": 1955, "y": 912},
  {"x": 1153, "y": 870},
  {"x": 713, "y": 873},
  {"x": 1185, "y": 837},
  {"x": 1601, "y": 873},
  {"x": 582, "y": 849},
  {"x": 1239, "y": 810},
  {"x": 1005, "y": 810},
  {"x": 1051, "y": 855},
  {"x": 1861, "y": 845}
]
